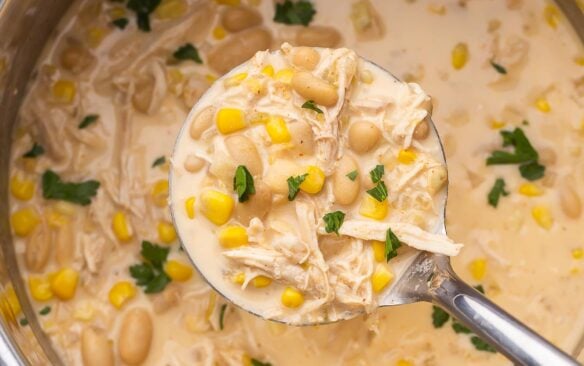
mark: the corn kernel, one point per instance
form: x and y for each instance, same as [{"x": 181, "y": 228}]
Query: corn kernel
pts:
[
  {"x": 64, "y": 91},
  {"x": 166, "y": 232},
  {"x": 178, "y": 271},
  {"x": 284, "y": 76},
  {"x": 542, "y": 216},
  {"x": 268, "y": 70},
  {"x": 230, "y": 120},
  {"x": 372, "y": 208},
  {"x": 542, "y": 105},
  {"x": 55, "y": 219},
  {"x": 40, "y": 288},
  {"x": 94, "y": 36},
  {"x": 238, "y": 278},
  {"x": 121, "y": 293},
  {"x": 577, "y": 253},
  {"x": 235, "y": 80},
  {"x": 216, "y": 206},
  {"x": 261, "y": 281},
  {"x": 278, "y": 130},
  {"x": 366, "y": 76},
  {"x": 497, "y": 125},
  {"x": 575, "y": 271},
  {"x": 551, "y": 15},
  {"x": 292, "y": 298},
  {"x": 121, "y": 227},
  {"x": 219, "y": 32},
  {"x": 378, "y": 250},
  {"x": 403, "y": 362},
  {"x": 406, "y": 156},
  {"x": 190, "y": 207},
  {"x": 314, "y": 181},
  {"x": 10, "y": 303},
  {"x": 159, "y": 193},
  {"x": 478, "y": 268},
  {"x": 246, "y": 359},
  {"x": 255, "y": 86},
  {"x": 579, "y": 60},
  {"x": 22, "y": 189},
  {"x": 233, "y": 237},
  {"x": 459, "y": 56},
  {"x": 437, "y": 9},
  {"x": 24, "y": 221},
  {"x": 228, "y": 2},
  {"x": 117, "y": 12},
  {"x": 381, "y": 278},
  {"x": 64, "y": 283},
  {"x": 171, "y": 9},
  {"x": 530, "y": 190},
  {"x": 210, "y": 78}
]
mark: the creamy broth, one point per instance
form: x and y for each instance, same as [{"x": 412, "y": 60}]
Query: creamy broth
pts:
[{"x": 528, "y": 261}]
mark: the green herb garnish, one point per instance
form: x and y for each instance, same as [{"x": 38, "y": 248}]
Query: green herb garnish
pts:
[
  {"x": 439, "y": 317},
  {"x": 352, "y": 175},
  {"x": 255, "y": 362},
  {"x": 523, "y": 154},
  {"x": 150, "y": 273},
  {"x": 143, "y": 9},
  {"x": 88, "y": 120},
  {"x": 391, "y": 244},
  {"x": 35, "y": 151},
  {"x": 120, "y": 23},
  {"x": 459, "y": 327},
  {"x": 159, "y": 161},
  {"x": 377, "y": 173},
  {"x": 532, "y": 171},
  {"x": 309, "y": 104},
  {"x": 222, "y": 315},
  {"x": 500, "y": 69},
  {"x": 294, "y": 185},
  {"x": 496, "y": 192},
  {"x": 480, "y": 289},
  {"x": 80, "y": 193},
  {"x": 300, "y": 12},
  {"x": 45, "y": 310},
  {"x": 334, "y": 221},
  {"x": 379, "y": 192},
  {"x": 23, "y": 322},
  {"x": 243, "y": 183},
  {"x": 481, "y": 345},
  {"x": 187, "y": 52}
]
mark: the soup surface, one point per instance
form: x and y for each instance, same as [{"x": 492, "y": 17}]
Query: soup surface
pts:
[{"x": 90, "y": 161}]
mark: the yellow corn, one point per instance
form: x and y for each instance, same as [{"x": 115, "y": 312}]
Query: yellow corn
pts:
[
  {"x": 459, "y": 56},
  {"x": 64, "y": 283},
  {"x": 228, "y": 2},
  {"x": 284, "y": 76},
  {"x": 40, "y": 288},
  {"x": 575, "y": 271},
  {"x": 577, "y": 253},
  {"x": 292, "y": 298},
  {"x": 478, "y": 268},
  {"x": 403, "y": 362},
  {"x": 22, "y": 189},
  {"x": 579, "y": 60},
  {"x": 230, "y": 120},
  {"x": 24, "y": 221},
  {"x": 210, "y": 78},
  {"x": 530, "y": 190},
  {"x": 372, "y": 208},
  {"x": 277, "y": 129},
  {"x": 233, "y": 237},
  {"x": 121, "y": 227},
  {"x": 166, "y": 232},
  {"x": 9, "y": 302},
  {"x": 121, "y": 293},
  {"x": 314, "y": 181},
  {"x": 366, "y": 76},
  {"x": 159, "y": 193},
  {"x": 497, "y": 125},
  {"x": 235, "y": 80},
  {"x": 246, "y": 359},
  {"x": 178, "y": 271},
  {"x": 216, "y": 206},
  {"x": 219, "y": 32},
  {"x": 94, "y": 36},
  {"x": 238, "y": 278},
  {"x": 406, "y": 156},
  {"x": 378, "y": 250},
  {"x": 542, "y": 216},
  {"x": 542, "y": 105},
  {"x": 551, "y": 15},
  {"x": 117, "y": 12},
  {"x": 171, "y": 9},
  {"x": 381, "y": 277},
  {"x": 437, "y": 9},
  {"x": 55, "y": 218},
  {"x": 190, "y": 207},
  {"x": 261, "y": 281},
  {"x": 64, "y": 91},
  {"x": 268, "y": 70}
]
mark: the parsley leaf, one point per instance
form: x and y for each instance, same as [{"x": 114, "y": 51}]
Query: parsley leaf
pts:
[
  {"x": 159, "y": 161},
  {"x": 524, "y": 151},
  {"x": 80, "y": 193},
  {"x": 377, "y": 173},
  {"x": 300, "y": 12},
  {"x": 243, "y": 183},
  {"x": 480, "y": 289},
  {"x": 391, "y": 244},
  {"x": 379, "y": 192},
  {"x": 154, "y": 254},
  {"x": 149, "y": 274},
  {"x": 158, "y": 283},
  {"x": 143, "y": 9},
  {"x": 46, "y": 310},
  {"x": 23, "y": 322},
  {"x": 309, "y": 104},
  {"x": 481, "y": 345},
  {"x": 120, "y": 23},
  {"x": 496, "y": 192},
  {"x": 255, "y": 362},
  {"x": 334, "y": 221},
  {"x": 142, "y": 273},
  {"x": 352, "y": 175},
  {"x": 439, "y": 317},
  {"x": 35, "y": 151},
  {"x": 187, "y": 52},
  {"x": 88, "y": 120},
  {"x": 459, "y": 327},
  {"x": 222, "y": 315},
  {"x": 500, "y": 69},
  {"x": 532, "y": 171},
  {"x": 294, "y": 185}
]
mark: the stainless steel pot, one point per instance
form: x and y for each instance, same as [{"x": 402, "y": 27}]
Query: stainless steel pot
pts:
[{"x": 25, "y": 27}]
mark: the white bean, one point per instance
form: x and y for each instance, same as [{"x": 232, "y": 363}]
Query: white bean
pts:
[
  {"x": 421, "y": 131},
  {"x": 193, "y": 163},
  {"x": 65, "y": 245},
  {"x": 38, "y": 248},
  {"x": 312, "y": 88},
  {"x": 244, "y": 152},
  {"x": 305, "y": 57},
  {"x": 235, "y": 19},
  {"x": 570, "y": 201},
  {"x": 345, "y": 189},
  {"x": 363, "y": 136},
  {"x": 258, "y": 205},
  {"x": 318, "y": 36},
  {"x": 302, "y": 137},
  {"x": 238, "y": 48},
  {"x": 437, "y": 177},
  {"x": 143, "y": 94},
  {"x": 278, "y": 174},
  {"x": 202, "y": 122},
  {"x": 96, "y": 349},
  {"x": 135, "y": 336}
]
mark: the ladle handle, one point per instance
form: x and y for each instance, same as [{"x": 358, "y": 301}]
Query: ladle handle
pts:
[{"x": 491, "y": 323}]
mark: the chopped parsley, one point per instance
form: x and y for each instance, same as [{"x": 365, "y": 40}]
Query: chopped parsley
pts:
[
  {"x": 88, "y": 120},
  {"x": 187, "y": 52},
  {"x": 143, "y": 9},
  {"x": 459, "y": 327},
  {"x": 35, "y": 151},
  {"x": 439, "y": 317},
  {"x": 309, "y": 104},
  {"x": 23, "y": 322},
  {"x": 334, "y": 221},
  {"x": 80, "y": 193},
  {"x": 352, "y": 175},
  {"x": 294, "y": 185},
  {"x": 377, "y": 173},
  {"x": 500, "y": 69},
  {"x": 243, "y": 183},
  {"x": 481, "y": 345},
  {"x": 120, "y": 23},
  {"x": 391, "y": 244},
  {"x": 159, "y": 161},
  {"x": 532, "y": 171},
  {"x": 480, "y": 289},
  {"x": 222, "y": 315},
  {"x": 255, "y": 362},
  {"x": 524, "y": 154},
  {"x": 150, "y": 273},
  {"x": 496, "y": 192},
  {"x": 379, "y": 192},
  {"x": 299, "y": 12},
  {"x": 46, "y": 310}
]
